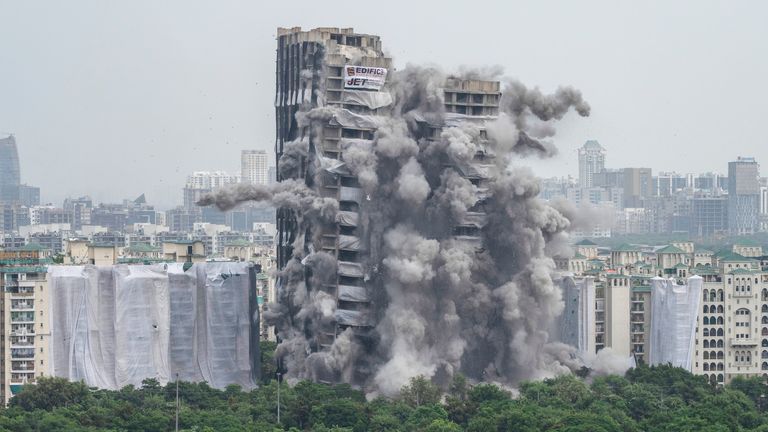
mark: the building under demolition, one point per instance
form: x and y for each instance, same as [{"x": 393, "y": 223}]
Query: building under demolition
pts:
[{"x": 406, "y": 243}]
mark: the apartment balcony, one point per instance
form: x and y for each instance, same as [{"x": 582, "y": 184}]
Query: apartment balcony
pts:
[
  {"x": 23, "y": 332},
  {"x": 22, "y": 293},
  {"x": 22, "y": 353},
  {"x": 15, "y": 345},
  {"x": 27, "y": 306},
  {"x": 22, "y": 317},
  {"x": 22, "y": 367}
]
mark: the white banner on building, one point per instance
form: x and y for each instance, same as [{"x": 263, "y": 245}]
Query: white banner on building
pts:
[{"x": 364, "y": 77}]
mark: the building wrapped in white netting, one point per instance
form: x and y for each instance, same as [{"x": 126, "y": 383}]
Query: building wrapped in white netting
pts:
[{"x": 117, "y": 325}]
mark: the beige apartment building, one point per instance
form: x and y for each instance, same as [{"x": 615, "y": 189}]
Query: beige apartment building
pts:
[{"x": 26, "y": 309}]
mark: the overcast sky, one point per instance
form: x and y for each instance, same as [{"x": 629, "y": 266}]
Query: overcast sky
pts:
[{"x": 115, "y": 99}]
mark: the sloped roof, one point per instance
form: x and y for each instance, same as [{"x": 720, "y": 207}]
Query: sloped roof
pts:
[
  {"x": 670, "y": 249},
  {"x": 748, "y": 242},
  {"x": 733, "y": 257},
  {"x": 626, "y": 247},
  {"x": 586, "y": 242}
]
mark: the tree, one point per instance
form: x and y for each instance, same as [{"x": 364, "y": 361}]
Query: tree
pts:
[
  {"x": 420, "y": 391},
  {"x": 424, "y": 415},
  {"x": 268, "y": 365},
  {"x": 49, "y": 393},
  {"x": 442, "y": 426}
]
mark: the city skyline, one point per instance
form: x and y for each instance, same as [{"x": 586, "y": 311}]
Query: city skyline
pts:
[{"x": 203, "y": 96}]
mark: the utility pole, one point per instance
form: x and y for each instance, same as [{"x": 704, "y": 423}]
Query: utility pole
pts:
[
  {"x": 278, "y": 398},
  {"x": 177, "y": 402}
]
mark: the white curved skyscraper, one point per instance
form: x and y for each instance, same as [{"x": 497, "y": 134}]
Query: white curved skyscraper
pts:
[{"x": 9, "y": 170}]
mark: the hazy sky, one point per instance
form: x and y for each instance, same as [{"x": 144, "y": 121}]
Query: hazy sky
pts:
[{"x": 115, "y": 99}]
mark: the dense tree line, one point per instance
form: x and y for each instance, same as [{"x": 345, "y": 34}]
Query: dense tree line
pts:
[{"x": 645, "y": 399}]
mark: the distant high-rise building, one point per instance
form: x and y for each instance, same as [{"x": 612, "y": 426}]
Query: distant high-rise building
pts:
[
  {"x": 272, "y": 175},
  {"x": 10, "y": 177},
  {"x": 254, "y": 167},
  {"x": 638, "y": 184},
  {"x": 591, "y": 161},
  {"x": 667, "y": 184},
  {"x": 202, "y": 182},
  {"x": 710, "y": 183},
  {"x": 29, "y": 195},
  {"x": 80, "y": 208},
  {"x": 743, "y": 196}
]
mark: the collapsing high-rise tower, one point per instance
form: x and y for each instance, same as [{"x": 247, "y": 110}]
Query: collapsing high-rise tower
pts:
[
  {"x": 339, "y": 68},
  {"x": 407, "y": 243}
]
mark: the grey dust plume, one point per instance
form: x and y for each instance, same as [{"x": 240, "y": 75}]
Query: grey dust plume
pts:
[{"x": 452, "y": 240}]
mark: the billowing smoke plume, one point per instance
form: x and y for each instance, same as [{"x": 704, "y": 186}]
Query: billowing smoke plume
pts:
[{"x": 449, "y": 242}]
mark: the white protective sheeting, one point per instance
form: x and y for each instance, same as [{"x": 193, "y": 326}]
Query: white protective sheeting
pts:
[
  {"x": 351, "y": 194},
  {"x": 351, "y": 318},
  {"x": 346, "y": 118},
  {"x": 83, "y": 324},
  {"x": 673, "y": 321},
  {"x": 118, "y": 325},
  {"x": 347, "y": 242},
  {"x": 350, "y": 269},
  {"x": 353, "y": 294},
  {"x": 372, "y": 100},
  {"x": 347, "y": 218},
  {"x": 576, "y": 326},
  {"x": 142, "y": 325}
]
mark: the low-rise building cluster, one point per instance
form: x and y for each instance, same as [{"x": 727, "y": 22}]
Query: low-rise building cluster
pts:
[{"x": 728, "y": 312}]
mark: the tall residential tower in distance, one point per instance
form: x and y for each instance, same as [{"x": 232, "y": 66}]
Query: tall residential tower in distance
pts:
[
  {"x": 743, "y": 196},
  {"x": 254, "y": 167},
  {"x": 10, "y": 178},
  {"x": 591, "y": 162}
]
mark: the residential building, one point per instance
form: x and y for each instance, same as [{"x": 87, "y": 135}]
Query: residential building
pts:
[
  {"x": 591, "y": 161},
  {"x": 709, "y": 216},
  {"x": 638, "y": 185},
  {"x": 743, "y": 196},
  {"x": 200, "y": 183},
  {"x": 184, "y": 251},
  {"x": 29, "y": 196},
  {"x": 254, "y": 167},
  {"x": 617, "y": 319},
  {"x": 80, "y": 209},
  {"x": 25, "y": 324}
]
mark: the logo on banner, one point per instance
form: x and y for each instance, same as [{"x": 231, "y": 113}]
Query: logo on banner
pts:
[{"x": 363, "y": 77}]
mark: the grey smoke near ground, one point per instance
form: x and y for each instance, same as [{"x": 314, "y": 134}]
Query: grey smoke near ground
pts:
[
  {"x": 453, "y": 243},
  {"x": 586, "y": 216}
]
